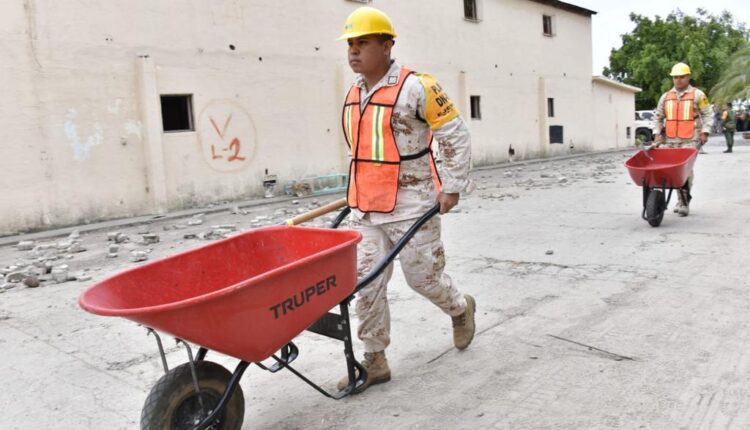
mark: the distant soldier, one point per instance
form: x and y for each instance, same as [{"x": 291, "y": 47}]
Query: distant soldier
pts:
[
  {"x": 728, "y": 124},
  {"x": 685, "y": 115}
]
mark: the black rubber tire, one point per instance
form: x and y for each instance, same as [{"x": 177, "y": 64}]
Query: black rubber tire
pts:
[
  {"x": 173, "y": 404},
  {"x": 655, "y": 206}
]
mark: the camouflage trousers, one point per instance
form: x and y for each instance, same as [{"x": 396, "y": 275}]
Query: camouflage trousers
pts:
[{"x": 422, "y": 261}]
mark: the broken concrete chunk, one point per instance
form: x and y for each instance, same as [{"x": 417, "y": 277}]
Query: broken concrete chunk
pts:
[
  {"x": 136, "y": 256},
  {"x": 114, "y": 248},
  {"x": 219, "y": 233},
  {"x": 63, "y": 244},
  {"x": 195, "y": 221},
  {"x": 60, "y": 273},
  {"x": 562, "y": 180},
  {"x": 25, "y": 245},
  {"x": 76, "y": 247},
  {"x": 117, "y": 237},
  {"x": 14, "y": 277},
  {"x": 228, "y": 227},
  {"x": 150, "y": 238},
  {"x": 82, "y": 277}
]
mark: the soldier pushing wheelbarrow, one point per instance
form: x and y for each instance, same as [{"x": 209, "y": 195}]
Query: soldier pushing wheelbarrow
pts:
[
  {"x": 250, "y": 295},
  {"x": 391, "y": 117},
  {"x": 684, "y": 113}
]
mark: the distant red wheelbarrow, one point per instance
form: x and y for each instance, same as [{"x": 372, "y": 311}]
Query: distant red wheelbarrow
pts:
[
  {"x": 657, "y": 170},
  {"x": 246, "y": 296}
]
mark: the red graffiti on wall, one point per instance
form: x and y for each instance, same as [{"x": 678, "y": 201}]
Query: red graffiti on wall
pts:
[{"x": 234, "y": 146}]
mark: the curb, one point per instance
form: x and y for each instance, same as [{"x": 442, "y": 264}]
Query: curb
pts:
[{"x": 128, "y": 222}]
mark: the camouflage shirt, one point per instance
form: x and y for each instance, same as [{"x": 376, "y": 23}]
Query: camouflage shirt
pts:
[{"x": 422, "y": 108}]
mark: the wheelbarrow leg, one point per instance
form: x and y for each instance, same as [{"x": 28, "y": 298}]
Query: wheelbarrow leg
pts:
[
  {"x": 646, "y": 192},
  {"x": 337, "y": 326},
  {"x": 161, "y": 348},
  {"x": 352, "y": 365}
]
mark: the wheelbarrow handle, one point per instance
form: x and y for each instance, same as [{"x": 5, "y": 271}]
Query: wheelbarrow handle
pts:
[
  {"x": 307, "y": 216},
  {"x": 646, "y": 149},
  {"x": 397, "y": 248}
]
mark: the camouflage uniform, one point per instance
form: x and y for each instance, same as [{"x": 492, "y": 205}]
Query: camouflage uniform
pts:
[
  {"x": 728, "y": 127},
  {"x": 423, "y": 258},
  {"x": 704, "y": 121}
]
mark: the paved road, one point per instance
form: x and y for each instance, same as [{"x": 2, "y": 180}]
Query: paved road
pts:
[{"x": 588, "y": 319}]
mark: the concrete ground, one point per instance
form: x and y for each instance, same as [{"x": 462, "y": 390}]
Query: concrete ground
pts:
[{"x": 588, "y": 318}]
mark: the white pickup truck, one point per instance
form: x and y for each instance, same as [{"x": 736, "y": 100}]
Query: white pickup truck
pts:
[{"x": 645, "y": 122}]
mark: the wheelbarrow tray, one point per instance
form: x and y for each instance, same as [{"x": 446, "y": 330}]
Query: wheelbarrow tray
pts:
[
  {"x": 670, "y": 167},
  {"x": 245, "y": 296}
]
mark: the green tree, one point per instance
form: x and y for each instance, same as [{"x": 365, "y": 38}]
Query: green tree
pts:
[
  {"x": 704, "y": 41},
  {"x": 734, "y": 82}
]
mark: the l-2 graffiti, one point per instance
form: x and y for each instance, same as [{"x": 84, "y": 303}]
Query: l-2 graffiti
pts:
[
  {"x": 227, "y": 135},
  {"x": 235, "y": 146}
]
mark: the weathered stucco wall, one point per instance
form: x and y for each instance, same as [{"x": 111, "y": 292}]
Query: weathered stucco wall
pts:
[
  {"x": 614, "y": 114},
  {"x": 81, "y": 124}
]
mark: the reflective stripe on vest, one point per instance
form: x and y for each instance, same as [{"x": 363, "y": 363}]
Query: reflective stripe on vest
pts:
[
  {"x": 680, "y": 114},
  {"x": 376, "y": 161}
]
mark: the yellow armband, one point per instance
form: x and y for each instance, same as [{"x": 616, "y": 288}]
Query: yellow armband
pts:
[
  {"x": 439, "y": 109},
  {"x": 703, "y": 103}
]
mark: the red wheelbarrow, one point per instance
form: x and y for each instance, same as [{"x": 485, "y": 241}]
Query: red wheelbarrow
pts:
[
  {"x": 246, "y": 296},
  {"x": 657, "y": 170}
]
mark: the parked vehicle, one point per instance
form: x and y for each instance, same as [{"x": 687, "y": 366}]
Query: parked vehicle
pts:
[{"x": 645, "y": 122}]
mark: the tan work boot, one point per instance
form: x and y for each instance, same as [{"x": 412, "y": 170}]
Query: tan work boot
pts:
[
  {"x": 377, "y": 372},
  {"x": 463, "y": 325}
]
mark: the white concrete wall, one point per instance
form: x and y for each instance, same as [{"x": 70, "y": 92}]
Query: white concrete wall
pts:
[
  {"x": 614, "y": 113},
  {"x": 81, "y": 126}
]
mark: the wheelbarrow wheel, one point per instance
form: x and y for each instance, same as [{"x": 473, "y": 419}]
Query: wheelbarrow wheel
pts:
[
  {"x": 655, "y": 206},
  {"x": 173, "y": 403}
]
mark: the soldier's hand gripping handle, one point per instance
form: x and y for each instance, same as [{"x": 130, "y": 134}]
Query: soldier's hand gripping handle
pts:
[{"x": 447, "y": 201}]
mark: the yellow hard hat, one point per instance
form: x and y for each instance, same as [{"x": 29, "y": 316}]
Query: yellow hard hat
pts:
[
  {"x": 367, "y": 20},
  {"x": 680, "y": 69}
]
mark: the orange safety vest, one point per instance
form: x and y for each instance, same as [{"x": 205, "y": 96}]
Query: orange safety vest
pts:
[
  {"x": 376, "y": 161},
  {"x": 680, "y": 114}
]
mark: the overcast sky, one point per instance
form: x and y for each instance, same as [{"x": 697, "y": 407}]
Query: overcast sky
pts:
[{"x": 611, "y": 20}]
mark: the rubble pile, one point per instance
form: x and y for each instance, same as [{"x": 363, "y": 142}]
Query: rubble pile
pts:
[{"x": 43, "y": 263}]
